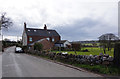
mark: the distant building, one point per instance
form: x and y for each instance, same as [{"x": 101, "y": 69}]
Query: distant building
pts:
[
  {"x": 31, "y": 35},
  {"x": 62, "y": 43}
]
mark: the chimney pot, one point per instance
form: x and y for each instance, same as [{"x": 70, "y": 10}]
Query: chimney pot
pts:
[
  {"x": 45, "y": 27},
  {"x": 24, "y": 25}
]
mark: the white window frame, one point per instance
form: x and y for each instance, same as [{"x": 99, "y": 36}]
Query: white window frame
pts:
[
  {"x": 53, "y": 39},
  {"x": 30, "y": 39}
]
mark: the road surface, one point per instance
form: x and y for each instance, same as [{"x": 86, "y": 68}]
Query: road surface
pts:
[{"x": 23, "y": 65}]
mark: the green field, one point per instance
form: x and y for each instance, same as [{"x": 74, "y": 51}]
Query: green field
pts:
[
  {"x": 97, "y": 44},
  {"x": 92, "y": 50}
]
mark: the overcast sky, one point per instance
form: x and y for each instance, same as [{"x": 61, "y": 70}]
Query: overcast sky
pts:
[{"x": 73, "y": 19}]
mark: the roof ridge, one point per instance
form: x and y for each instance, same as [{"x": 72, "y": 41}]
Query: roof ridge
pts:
[{"x": 41, "y": 29}]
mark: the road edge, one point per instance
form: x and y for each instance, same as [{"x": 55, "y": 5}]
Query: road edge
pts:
[{"x": 67, "y": 65}]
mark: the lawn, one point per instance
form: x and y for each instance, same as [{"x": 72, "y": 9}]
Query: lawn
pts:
[
  {"x": 90, "y": 44},
  {"x": 92, "y": 50}
]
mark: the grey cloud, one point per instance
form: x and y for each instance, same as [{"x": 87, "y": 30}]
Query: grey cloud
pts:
[
  {"x": 82, "y": 29},
  {"x": 68, "y": 20}
]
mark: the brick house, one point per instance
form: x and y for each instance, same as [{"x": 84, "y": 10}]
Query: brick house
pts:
[{"x": 31, "y": 35}]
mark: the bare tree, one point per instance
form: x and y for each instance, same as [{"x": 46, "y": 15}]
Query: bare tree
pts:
[
  {"x": 5, "y": 22},
  {"x": 106, "y": 40}
]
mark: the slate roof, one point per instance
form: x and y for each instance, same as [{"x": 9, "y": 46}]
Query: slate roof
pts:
[{"x": 41, "y": 32}]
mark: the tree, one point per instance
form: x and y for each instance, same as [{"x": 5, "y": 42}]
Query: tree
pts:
[
  {"x": 5, "y": 22},
  {"x": 106, "y": 41},
  {"x": 6, "y": 39},
  {"x": 38, "y": 46},
  {"x": 76, "y": 46}
]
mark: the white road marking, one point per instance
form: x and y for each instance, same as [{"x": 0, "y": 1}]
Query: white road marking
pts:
[{"x": 18, "y": 70}]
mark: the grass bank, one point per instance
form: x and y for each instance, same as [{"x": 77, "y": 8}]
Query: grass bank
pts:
[{"x": 110, "y": 70}]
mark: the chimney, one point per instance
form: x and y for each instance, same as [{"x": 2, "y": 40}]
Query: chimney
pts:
[
  {"x": 24, "y": 25},
  {"x": 45, "y": 27}
]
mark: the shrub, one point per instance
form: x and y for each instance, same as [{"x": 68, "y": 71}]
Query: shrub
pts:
[
  {"x": 18, "y": 45},
  {"x": 38, "y": 46},
  {"x": 76, "y": 46},
  {"x": 24, "y": 48}
]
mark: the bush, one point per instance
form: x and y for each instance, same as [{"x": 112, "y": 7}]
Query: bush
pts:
[
  {"x": 24, "y": 48},
  {"x": 18, "y": 45},
  {"x": 76, "y": 46},
  {"x": 38, "y": 46},
  {"x": 86, "y": 50}
]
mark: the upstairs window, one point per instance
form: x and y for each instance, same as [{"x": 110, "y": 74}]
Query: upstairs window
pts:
[
  {"x": 28, "y": 30},
  {"x": 53, "y": 39},
  {"x": 34, "y": 30},
  {"x": 30, "y": 39}
]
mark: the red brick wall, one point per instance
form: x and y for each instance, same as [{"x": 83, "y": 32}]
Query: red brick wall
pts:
[{"x": 46, "y": 44}]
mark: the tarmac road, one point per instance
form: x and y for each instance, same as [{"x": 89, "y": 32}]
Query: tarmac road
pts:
[{"x": 23, "y": 65}]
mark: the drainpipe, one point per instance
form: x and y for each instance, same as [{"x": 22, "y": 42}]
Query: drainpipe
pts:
[{"x": 60, "y": 47}]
